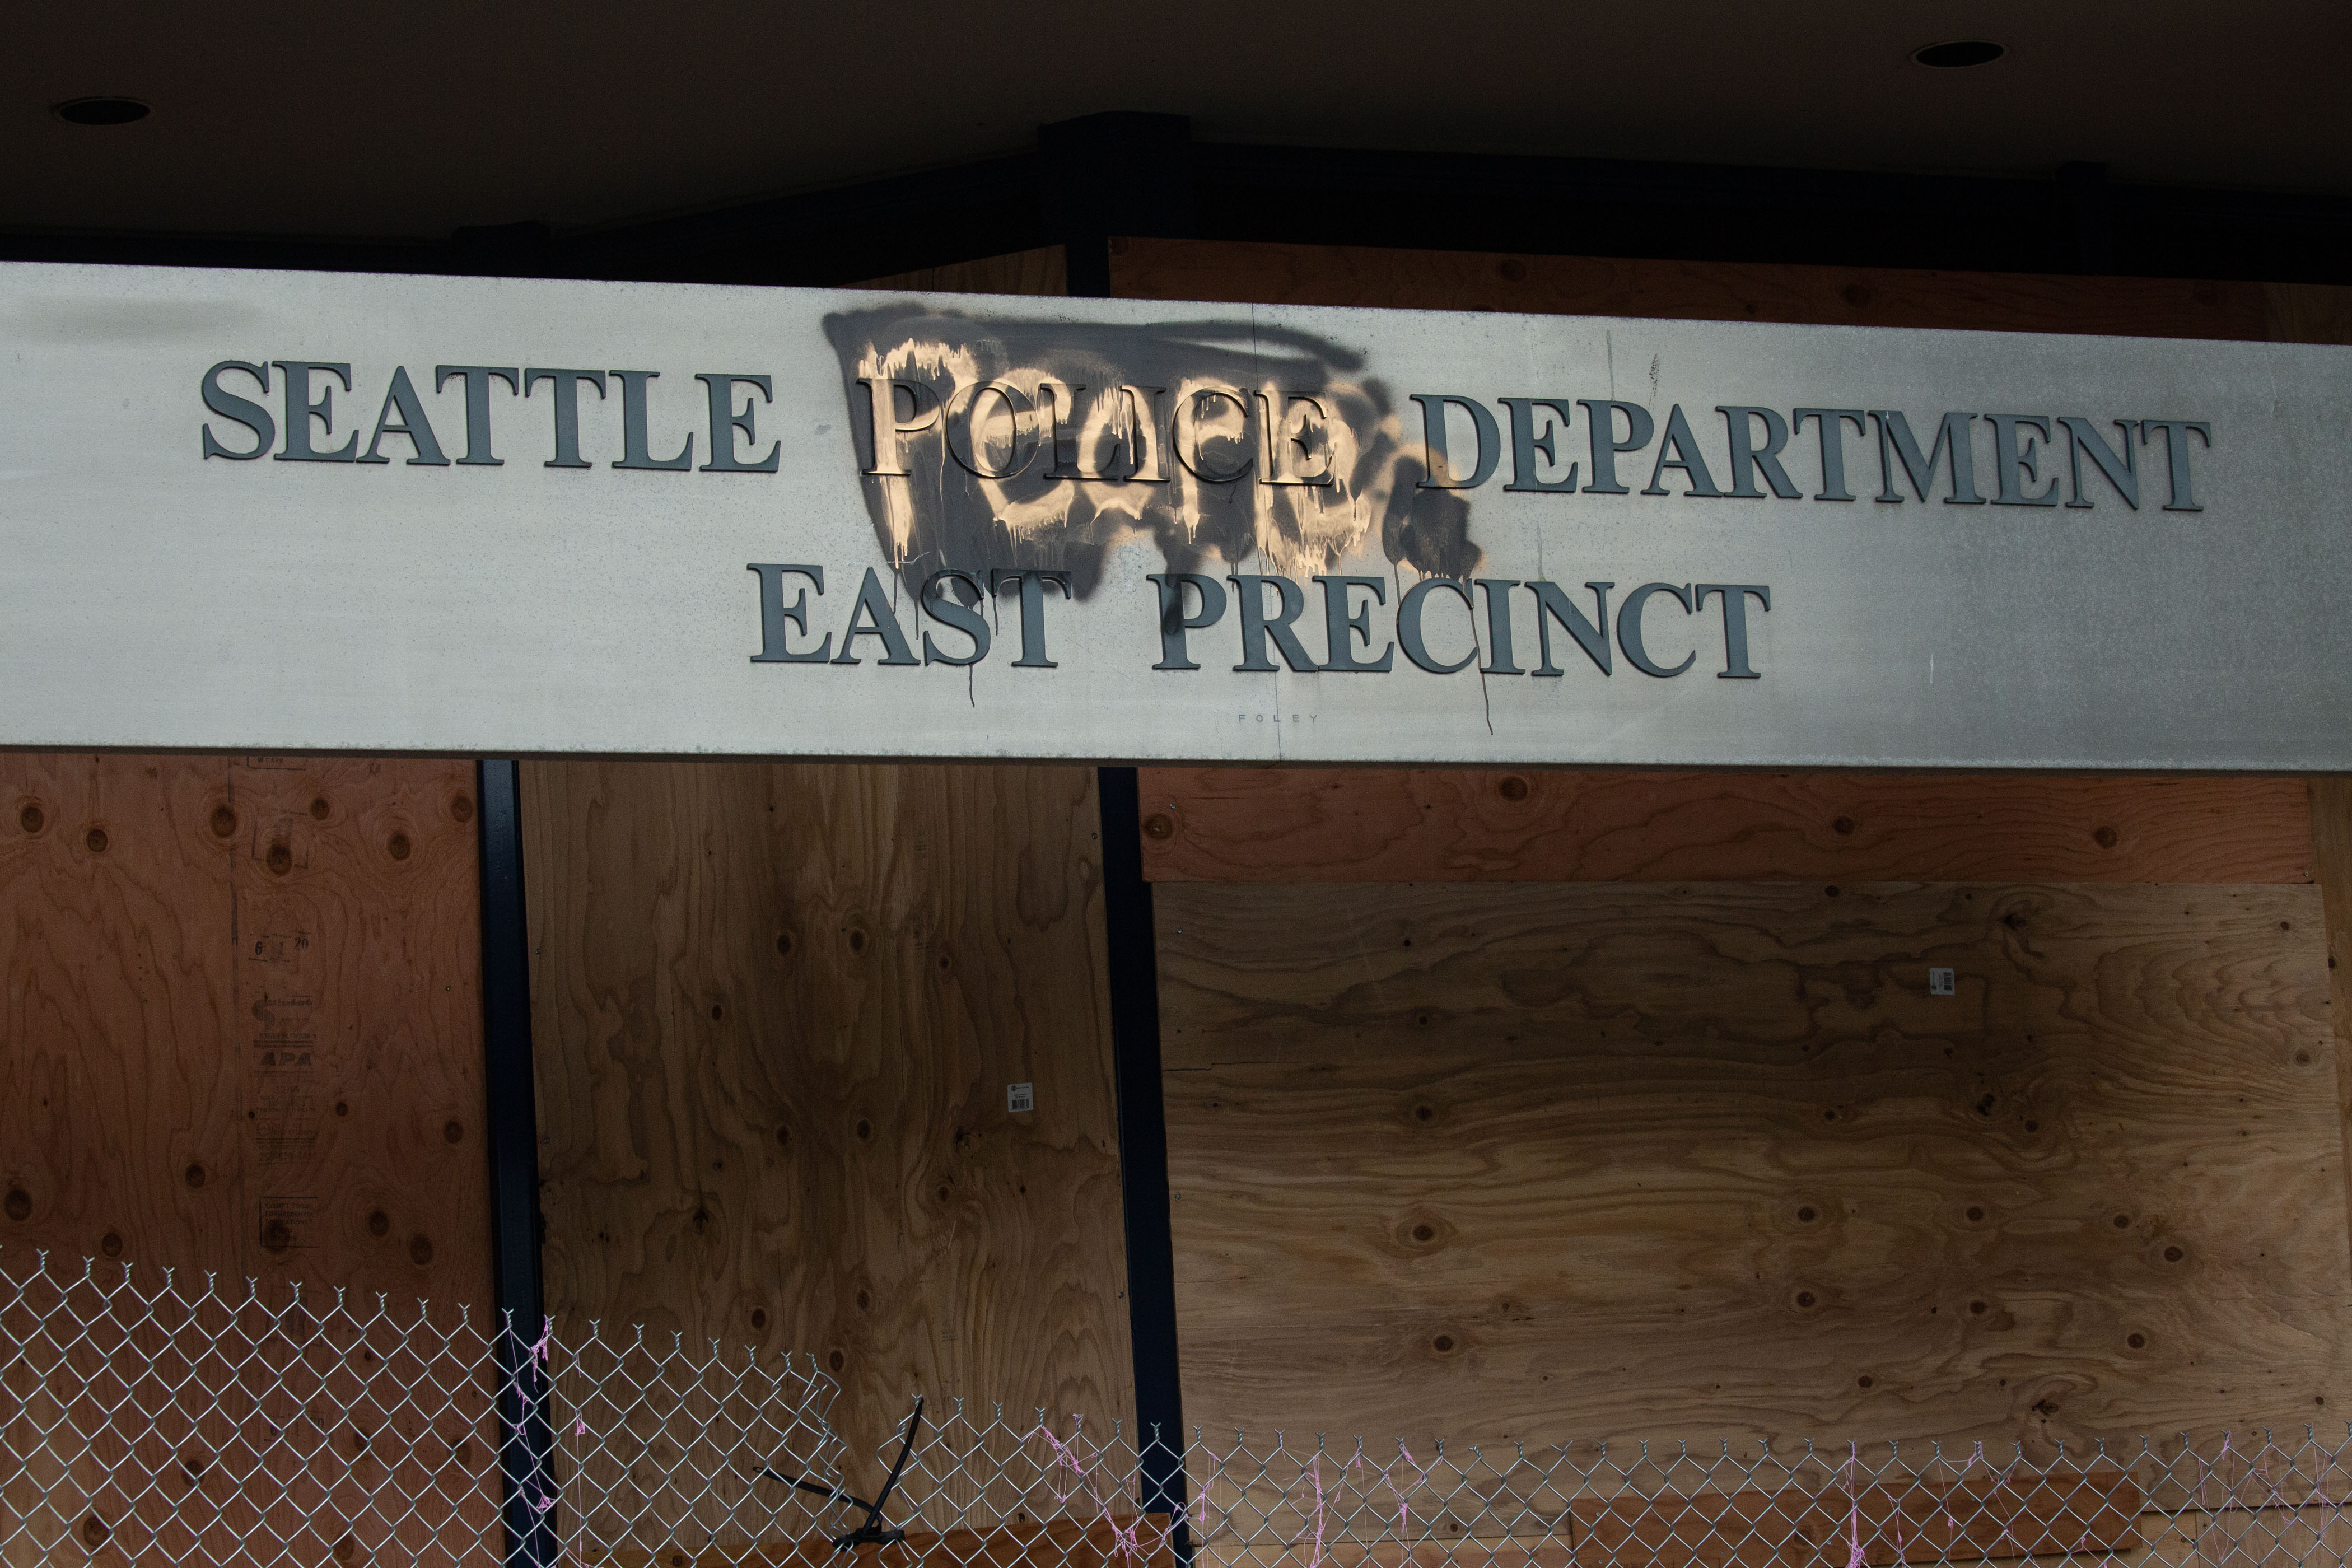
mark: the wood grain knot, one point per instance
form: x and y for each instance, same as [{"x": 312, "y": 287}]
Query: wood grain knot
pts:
[
  {"x": 20, "y": 1204},
  {"x": 1512, "y": 787},
  {"x": 865, "y": 1300},
  {"x": 784, "y": 1136},
  {"x": 397, "y": 847},
  {"x": 857, "y": 939},
  {"x": 1843, "y": 826},
  {"x": 760, "y": 1318},
  {"x": 2105, "y": 838},
  {"x": 276, "y": 1237},
  {"x": 718, "y": 1012},
  {"x": 96, "y": 840},
  {"x": 1160, "y": 825},
  {"x": 194, "y": 1175},
  {"x": 1443, "y": 1344},
  {"x": 2173, "y": 1255},
  {"x": 346, "y": 1549},
  {"x": 837, "y": 1361},
  {"x": 1830, "y": 892},
  {"x": 379, "y": 1223},
  {"x": 110, "y": 1244},
  {"x": 223, "y": 822},
  {"x": 1863, "y": 1382},
  {"x": 1805, "y": 1298},
  {"x": 452, "y": 1131},
  {"x": 31, "y": 818},
  {"x": 865, "y": 1131},
  {"x": 2137, "y": 1342},
  {"x": 94, "y": 1532},
  {"x": 1975, "y": 1214},
  {"x": 342, "y": 1108},
  {"x": 279, "y": 858},
  {"x": 1807, "y": 1213},
  {"x": 783, "y": 944},
  {"x": 461, "y": 807},
  {"x": 420, "y": 1250},
  {"x": 2123, "y": 1221},
  {"x": 318, "y": 808},
  {"x": 1976, "y": 1309}
]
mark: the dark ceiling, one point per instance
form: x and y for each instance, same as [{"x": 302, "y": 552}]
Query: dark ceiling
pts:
[{"x": 407, "y": 123}]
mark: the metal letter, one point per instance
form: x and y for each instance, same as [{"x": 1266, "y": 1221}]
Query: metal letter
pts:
[
  {"x": 775, "y": 615},
  {"x": 1187, "y": 431},
  {"x": 301, "y": 411},
  {"x": 566, "y": 384},
  {"x": 401, "y": 398},
  {"x": 1833, "y": 423},
  {"x": 873, "y": 608},
  {"x": 888, "y": 433},
  {"x": 1526, "y": 444},
  {"x": 1735, "y": 623},
  {"x": 963, "y": 421},
  {"x": 1174, "y": 623},
  {"x": 1628, "y": 628},
  {"x": 635, "y": 450},
  {"x": 2014, "y": 464},
  {"x": 1739, "y": 419},
  {"x": 1277, "y": 462},
  {"x": 1499, "y": 626},
  {"x": 1591, "y": 636},
  {"x": 956, "y": 611},
  {"x": 477, "y": 406},
  {"x": 1600, "y": 423},
  {"x": 246, "y": 412},
  {"x": 2122, "y": 471},
  {"x": 1679, "y": 450},
  {"x": 1954, "y": 433},
  {"x": 1256, "y": 628},
  {"x": 1409, "y": 632},
  {"x": 2176, "y": 452},
  {"x": 1033, "y": 583},
  {"x": 1437, "y": 461},
  {"x": 1341, "y": 629},
  {"x": 725, "y": 421}
]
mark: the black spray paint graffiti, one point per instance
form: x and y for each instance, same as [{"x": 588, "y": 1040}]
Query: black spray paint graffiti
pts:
[{"x": 989, "y": 442}]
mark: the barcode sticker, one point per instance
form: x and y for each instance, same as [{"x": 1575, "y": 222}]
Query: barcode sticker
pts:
[
  {"x": 1020, "y": 1097},
  {"x": 1939, "y": 983}
]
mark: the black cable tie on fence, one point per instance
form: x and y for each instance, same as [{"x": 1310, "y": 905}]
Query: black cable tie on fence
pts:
[{"x": 871, "y": 1533}]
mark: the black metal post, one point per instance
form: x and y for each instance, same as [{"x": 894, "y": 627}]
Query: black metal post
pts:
[
  {"x": 526, "y": 1441},
  {"x": 1113, "y": 174},
  {"x": 1143, "y": 1151}
]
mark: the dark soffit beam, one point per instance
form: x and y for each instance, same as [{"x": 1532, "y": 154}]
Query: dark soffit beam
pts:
[
  {"x": 1730, "y": 212},
  {"x": 1412, "y": 200}
]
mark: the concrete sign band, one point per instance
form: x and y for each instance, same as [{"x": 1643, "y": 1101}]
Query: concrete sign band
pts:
[{"x": 292, "y": 511}]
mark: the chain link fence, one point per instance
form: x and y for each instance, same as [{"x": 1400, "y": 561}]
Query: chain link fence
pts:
[{"x": 155, "y": 1419}]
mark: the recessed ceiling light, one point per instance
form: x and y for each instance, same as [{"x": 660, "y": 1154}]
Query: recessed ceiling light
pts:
[
  {"x": 99, "y": 110},
  {"x": 1959, "y": 54}
]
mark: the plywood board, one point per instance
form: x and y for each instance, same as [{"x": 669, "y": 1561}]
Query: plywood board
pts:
[
  {"x": 1545, "y": 1161},
  {"x": 243, "y": 1018},
  {"x": 241, "y": 1036},
  {"x": 1303, "y": 825},
  {"x": 776, "y": 1011},
  {"x": 1281, "y": 274}
]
